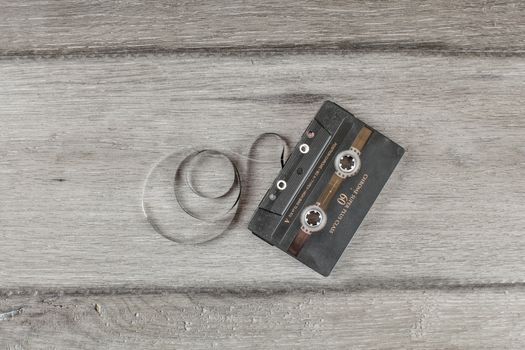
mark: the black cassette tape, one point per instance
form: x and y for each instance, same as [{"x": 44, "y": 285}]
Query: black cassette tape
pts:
[{"x": 326, "y": 188}]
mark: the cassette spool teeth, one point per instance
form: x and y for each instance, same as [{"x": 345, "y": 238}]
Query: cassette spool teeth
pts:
[
  {"x": 313, "y": 219},
  {"x": 347, "y": 163}
]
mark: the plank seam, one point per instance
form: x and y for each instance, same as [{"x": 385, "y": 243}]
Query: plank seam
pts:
[
  {"x": 342, "y": 48},
  {"x": 243, "y": 291}
]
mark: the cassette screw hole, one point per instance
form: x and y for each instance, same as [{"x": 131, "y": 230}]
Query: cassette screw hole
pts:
[
  {"x": 273, "y": 197},
  {"x": 313, "y": 218},
  {"x": 310, "y": 134},
  {"x": 347, "y": 163},
  {"x": 304, "y": 148},
  {"x": 281, "y": 185}
]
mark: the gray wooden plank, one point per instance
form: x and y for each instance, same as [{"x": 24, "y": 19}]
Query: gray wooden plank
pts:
[
  {"x": 450, "y": 319},
  {"x": 96, "y": 27},
  {"x": 453, "y": 212}
]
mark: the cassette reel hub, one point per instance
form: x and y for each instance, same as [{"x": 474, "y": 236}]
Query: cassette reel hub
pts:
[{"x": 347, "y": 163}]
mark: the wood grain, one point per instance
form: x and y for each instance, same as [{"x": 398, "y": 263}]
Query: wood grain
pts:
[
  {"x": 79, "y": 136},
  {"x": 76, "y": 27},
  {"x": 460, "y": 319}
]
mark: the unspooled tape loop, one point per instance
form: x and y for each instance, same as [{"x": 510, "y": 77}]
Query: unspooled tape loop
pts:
[{"x": 180, "y": 208}]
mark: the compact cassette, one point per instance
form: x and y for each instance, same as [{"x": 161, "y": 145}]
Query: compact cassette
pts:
[{"x": 326, "y": 187}]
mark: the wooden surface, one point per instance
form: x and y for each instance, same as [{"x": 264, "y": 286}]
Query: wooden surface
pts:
[
  {"x": 378, "y": 319},
  {"x": 92, "y": 95},
  {"x": 54, "y": 28}
]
